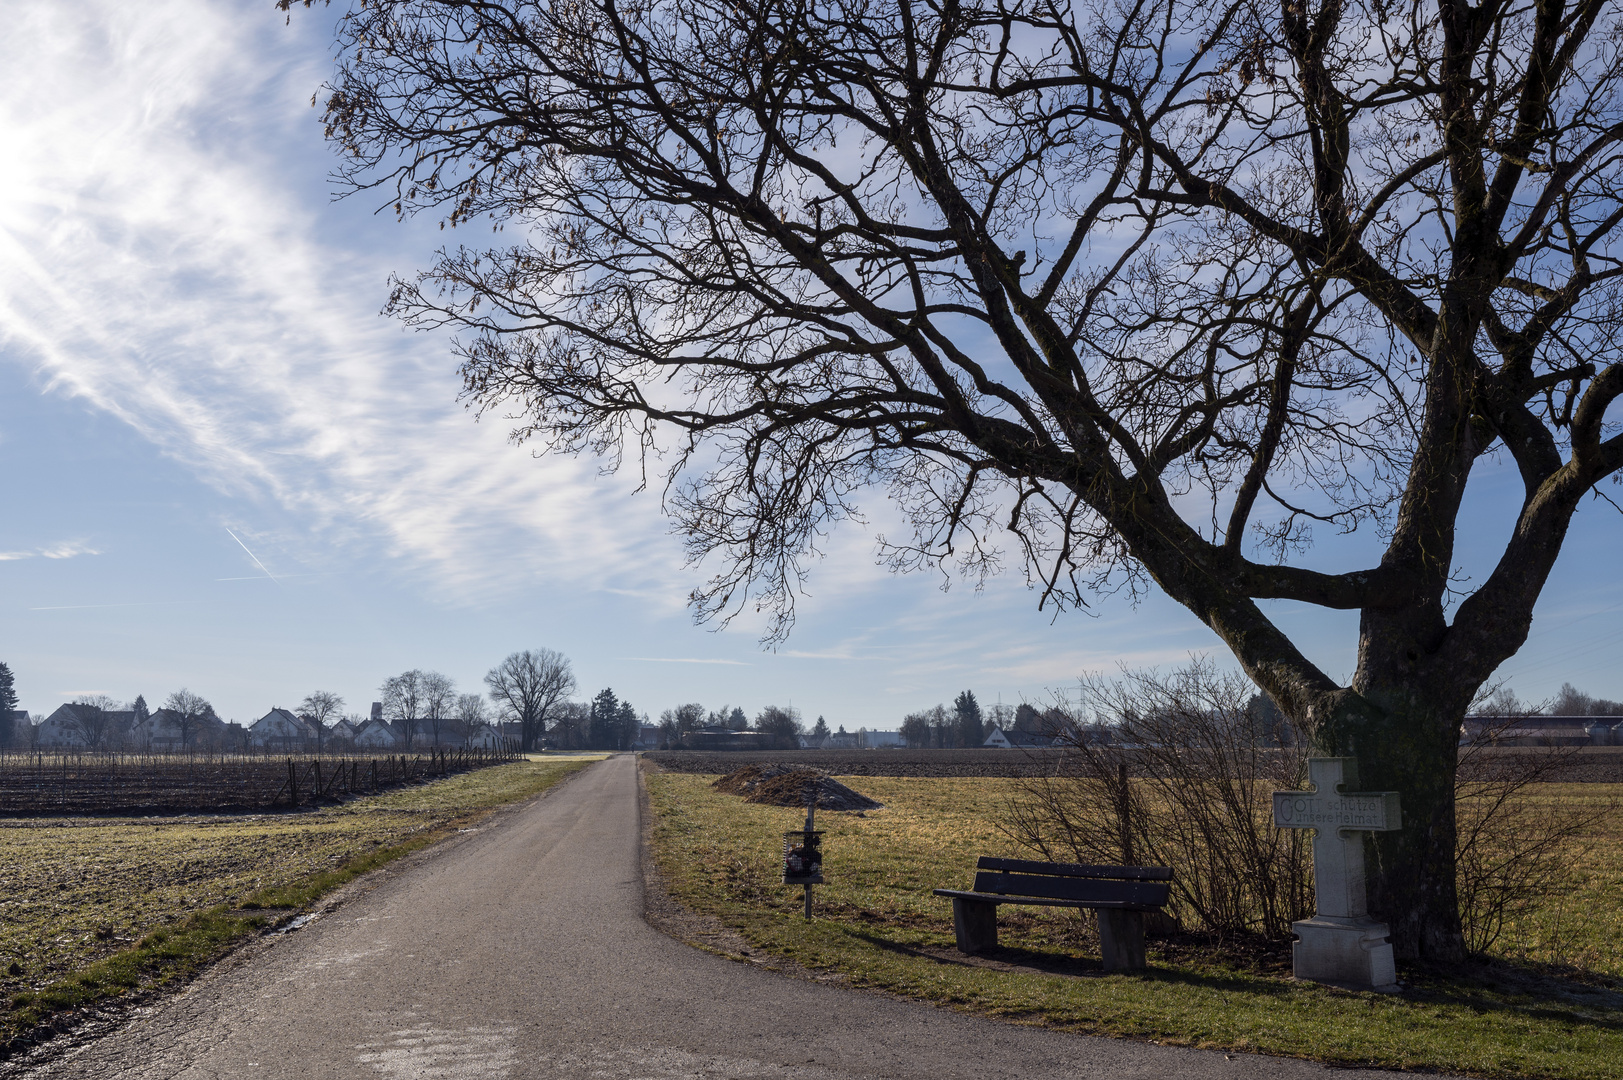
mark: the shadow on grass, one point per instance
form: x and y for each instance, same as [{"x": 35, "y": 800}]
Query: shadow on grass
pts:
[
  {"x": 1019, "y": 960},
  {"x": 1482, "y": 987},
  {"x": 1501, "y": 986}
]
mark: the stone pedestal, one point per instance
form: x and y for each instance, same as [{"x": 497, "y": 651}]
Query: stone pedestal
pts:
[
  {"x": 1345, "y": 952},
  {"x": 1341, "y": 944}
]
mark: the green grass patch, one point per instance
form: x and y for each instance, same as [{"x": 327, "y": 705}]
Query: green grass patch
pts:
[
  {"x": 95, "y": 907},
  {"x": 1551, "y": 1007}
]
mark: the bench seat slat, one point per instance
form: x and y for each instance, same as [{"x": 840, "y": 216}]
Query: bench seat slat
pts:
[
  {"x": 1041, "y": 901},
  {"x": 1059, "y": 888},
  {"x": 1075, "y": 870}
]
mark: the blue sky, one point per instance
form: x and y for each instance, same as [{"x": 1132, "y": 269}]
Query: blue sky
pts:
[{"x": 192, "y": 368}]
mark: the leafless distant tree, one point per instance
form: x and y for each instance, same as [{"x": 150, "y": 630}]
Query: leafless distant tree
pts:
[
  {"x": 527, "y": 686},
  {"x": 1154, "y": 288},
  {"x": 782, "y": 724},
  {"x": 439, "y": 702},
  {"x": 404, "y": 701},
  {"x": 474, "y": 710},
  {"x": 1571, "y": 701},
  {"x": 321, "y": 707},
  {"x": 192, "y": 713},
  {"x": 571, "y": 723},
  {"x": 94, "y": 713}
]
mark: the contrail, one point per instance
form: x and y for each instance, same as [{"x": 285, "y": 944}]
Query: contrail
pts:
[{"x": 252, "y": 556}]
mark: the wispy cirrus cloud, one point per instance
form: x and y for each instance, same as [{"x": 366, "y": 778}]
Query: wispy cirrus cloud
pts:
[
  {"x": 67, "y": 549},
  {"x": 167, "y": 255}
]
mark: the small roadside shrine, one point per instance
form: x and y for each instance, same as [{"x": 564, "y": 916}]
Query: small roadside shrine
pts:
[
  {"x": 1340, "y": 944},
  {"x": 803, "y": 855}
]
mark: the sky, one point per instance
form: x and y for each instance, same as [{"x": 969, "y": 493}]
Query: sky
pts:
[{"x": 222, "y": 469}]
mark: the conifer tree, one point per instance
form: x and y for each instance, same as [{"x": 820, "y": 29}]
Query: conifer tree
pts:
[{"x": 8, "y": 703}]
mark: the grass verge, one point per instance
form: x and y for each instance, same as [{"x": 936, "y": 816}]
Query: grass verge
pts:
[
  {"x": 96, "y": 908},
  {"x": 878, "y": 926}
]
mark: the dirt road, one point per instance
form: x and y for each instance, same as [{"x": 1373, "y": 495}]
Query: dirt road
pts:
[{"x": 521, "y": 952}]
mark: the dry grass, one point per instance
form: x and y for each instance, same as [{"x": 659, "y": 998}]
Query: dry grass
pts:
[
  {"x": 1551, "y": 1006},
  {"x": 91, "y": 907}
]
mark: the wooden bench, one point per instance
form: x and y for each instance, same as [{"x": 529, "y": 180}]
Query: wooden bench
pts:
[{"x": 1120, "y": 894}]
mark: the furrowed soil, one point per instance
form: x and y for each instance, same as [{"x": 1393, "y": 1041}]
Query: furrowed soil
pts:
[
  {"x": 92, "y": 908},
  {"x": 867, "y": 762},
  {"x": 1584, "y": 765},
  {"x": 1549, "y": 1002}
]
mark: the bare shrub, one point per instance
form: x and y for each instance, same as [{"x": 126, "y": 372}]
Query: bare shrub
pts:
[
  {"x": 1176, "y": 770},
  {"x": 1173, "y": 770},
  {"x": 1516, "y": 847}
]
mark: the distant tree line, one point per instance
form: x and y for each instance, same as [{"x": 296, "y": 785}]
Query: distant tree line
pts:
[
  {"x": 781, "y": 723},
  {"x": 1569, "y": 701}
]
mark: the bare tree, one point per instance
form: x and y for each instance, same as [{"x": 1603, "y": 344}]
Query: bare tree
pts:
[
  {"x": 322, "y": 706},
  {"x": 403, "y": 702},
  {"x": 1155, "y": 288},
  {"x": 93, "y": 714},
  {"x": 439, "y": 702},
  {"x": 527, "y": 686},
  {"x": 571, "y": 722},
  {"x": 473, "y": 710},
  {"x": 319, "y": 707},
  {"x": 191, "y": 713},
  {"x": 782, "y": 724}
]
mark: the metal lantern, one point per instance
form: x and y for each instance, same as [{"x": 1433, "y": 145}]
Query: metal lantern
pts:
[{"x": 803, "y": 856}]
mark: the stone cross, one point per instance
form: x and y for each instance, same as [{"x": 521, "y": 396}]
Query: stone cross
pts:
[{"x": 1341, "y": 943}]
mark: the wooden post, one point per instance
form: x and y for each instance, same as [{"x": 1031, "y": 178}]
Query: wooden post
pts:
[
  {"x": 1124, "y": 812},
  {"x": 811, "y": 822},
  {"x": 974, "y": 924},
  {"x": 1121, "y": 939},
  {"x": 292, "y": 783}
]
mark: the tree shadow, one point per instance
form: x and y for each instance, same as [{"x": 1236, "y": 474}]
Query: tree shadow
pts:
[{"x": 1495, "y": 986}]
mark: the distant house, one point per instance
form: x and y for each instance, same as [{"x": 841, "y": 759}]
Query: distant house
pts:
[
  {"x": 376, "y": 734},
  {"x": 64, "y": 729},
  {"x": 343, "y": 730},
  {"x": 1543, "y": 730},
  {"x": 484, "y": 737},
  {"x": 841, "y": 740},
  {"x": 84, "y": 727},
  {"x": 279, "y": 729},
  {"x": 1013, "y": 738},
  {"x": 167, "y": 729},
  {"x": 729, "y": 740},
  {"x": 879, "y": 740},
  {"x": 648, "y": 737}
]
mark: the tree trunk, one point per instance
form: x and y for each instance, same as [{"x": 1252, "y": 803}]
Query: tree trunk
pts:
[{"x": 1406, "y": 740}]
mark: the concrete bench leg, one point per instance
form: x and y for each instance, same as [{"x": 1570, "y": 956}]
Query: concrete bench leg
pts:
[
  {"x": 975, "y": 923},
  {"x": 1121, "y": 939}
]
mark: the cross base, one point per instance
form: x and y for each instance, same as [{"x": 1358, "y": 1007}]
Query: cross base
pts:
[{"x": 1353, "y": 953}]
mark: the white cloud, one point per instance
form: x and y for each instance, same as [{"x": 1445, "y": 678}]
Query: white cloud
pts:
[
  {"x": 68, "y": 549},
  {"x": 65, "y": 549},
  {"x": 165, "y": 257}
]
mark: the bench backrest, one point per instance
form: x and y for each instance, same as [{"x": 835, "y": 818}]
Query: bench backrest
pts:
[{"x": 1145, "y": 885}]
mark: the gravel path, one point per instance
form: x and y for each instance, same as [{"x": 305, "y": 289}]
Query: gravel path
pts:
[{"x": 521, "y": 952}]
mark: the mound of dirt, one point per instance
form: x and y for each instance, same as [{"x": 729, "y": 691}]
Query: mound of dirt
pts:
[{"x": 785, "y": 785}]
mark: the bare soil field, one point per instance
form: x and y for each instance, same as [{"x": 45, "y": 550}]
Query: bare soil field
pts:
[
  {"x": 1583, "y": 765},
  {"x": 92, "y": 784},
  {"x": 867, "y": 762}
]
